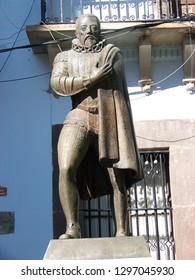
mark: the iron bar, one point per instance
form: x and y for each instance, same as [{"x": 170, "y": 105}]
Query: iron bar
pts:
[
  {"x": 96, "y": 216},
  {"x": 187, "y": 9},
  {"x": 177, "y": 8},
  {"x": 89, "y": 219},
  {"x": 137, "y": 9},
  {"x": 109, "y": 10},
  {"x": 109, "y": 215},
  {"x": 155, "y": 211},
  {"x": 43, "y": 10},
  {"x": 117, "y": 10},
  {"x": 72, "y": 11},
  {"x": 91, "y": 7},
  {"x": 167, "y": 9},
  {"x": 61, "y": 11},
  {"x": 160, "y": 8},
  {"x": 127, "y": 9},
  {"x": 136, "y": 211},
  {"x": 99, "y": 218},
  {"x": 51, "y": 11},
  {"x": 95, "y": 210},
  {"x": 149, "y": 210},
  {"x": 148, "y": 214},
  {"x": 81, "y": 6},
  {"x": 100, "y": 6},
  {"x": 164, "y": 202},
  {"x": 146, "y": 211}
]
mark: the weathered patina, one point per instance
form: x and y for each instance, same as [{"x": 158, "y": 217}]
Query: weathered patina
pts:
[{"x": 97, "y": 151}]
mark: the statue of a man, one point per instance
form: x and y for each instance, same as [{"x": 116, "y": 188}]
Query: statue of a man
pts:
[{"x": 97, "y": 151}]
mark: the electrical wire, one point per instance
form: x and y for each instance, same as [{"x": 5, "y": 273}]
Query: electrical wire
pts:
[
  {"x": 7, "y": 38},
  {"x": 12, "y": 80},
  {"x": 25, "y": 78},
  {"x": 17, "y": 36},
  {"x": 168, "y": 141},
  {"x": 11, "y": 43},
  {"x": 190, "y": 56},
  {"x": 50, "y": 32},
  {"x": 125, "y": 29},
  {"x": 54, "y": 41},
  {"x": 3, "y": 12},
  {"x": 171, "y": 74},
  {"x": 57, "y": 41},
  {"x": 55, "y": 31},
  {"x": 167, "y": 77}
]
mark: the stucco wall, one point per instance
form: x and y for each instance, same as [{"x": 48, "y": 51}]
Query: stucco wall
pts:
[{"x": 179, "y": 137}]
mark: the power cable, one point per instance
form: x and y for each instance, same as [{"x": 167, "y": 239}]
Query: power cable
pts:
[
  {"x": 3, "y": 12},
  {"x": 125, "y": 29},
  {"x": 50, "y": 32},
  {"x": 154, "y": 84},
  {"x": 7, "y": 38},
  {"x": 54, "y": 41},
  {"x": 25, "y": 78},
  {"x": 11, "y": 43},
  {"x": 18, "y": 36},
  {"x": 168, "y": 141},
  {"x": 57, "y": 41},
  {"x": 12, "y": 80}
]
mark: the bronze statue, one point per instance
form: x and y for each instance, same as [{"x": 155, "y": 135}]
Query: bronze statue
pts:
[{"x": 97, "y": 151}]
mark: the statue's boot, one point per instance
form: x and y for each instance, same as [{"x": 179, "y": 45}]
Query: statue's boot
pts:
[
  {"x": 72, "y": 231},
  {"x": 121, "y": 233}
]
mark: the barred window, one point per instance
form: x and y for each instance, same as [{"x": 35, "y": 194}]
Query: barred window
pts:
[{"x": 149, "y": 209}]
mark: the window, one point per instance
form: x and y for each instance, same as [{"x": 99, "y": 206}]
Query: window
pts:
[{"x": 149, "y": 209}]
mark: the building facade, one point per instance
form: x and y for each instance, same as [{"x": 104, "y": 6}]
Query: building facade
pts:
[{"x": 157, "y": 42}]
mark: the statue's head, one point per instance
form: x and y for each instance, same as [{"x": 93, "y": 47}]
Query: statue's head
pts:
[{"x": 88, "y": 30}]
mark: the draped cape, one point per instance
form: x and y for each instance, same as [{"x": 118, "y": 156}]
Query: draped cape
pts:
[{"x": 116, "y": 139}]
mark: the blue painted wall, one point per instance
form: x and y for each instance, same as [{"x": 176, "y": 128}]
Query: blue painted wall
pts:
[{"x": 27, "y": 112}]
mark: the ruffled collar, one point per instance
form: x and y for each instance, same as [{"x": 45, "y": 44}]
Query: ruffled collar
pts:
[{"x": 76, "y": 46}]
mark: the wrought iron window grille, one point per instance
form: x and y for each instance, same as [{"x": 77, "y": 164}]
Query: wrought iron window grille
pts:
[{"x": 149, "y": 209}]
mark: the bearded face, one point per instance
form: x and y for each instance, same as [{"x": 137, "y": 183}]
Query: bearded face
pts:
[{"x": 88, "y": 30}]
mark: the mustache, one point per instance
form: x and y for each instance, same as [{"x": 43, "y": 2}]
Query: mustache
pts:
[{"x": 89, "y": 37}]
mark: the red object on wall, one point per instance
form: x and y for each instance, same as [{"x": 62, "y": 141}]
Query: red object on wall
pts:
[{"x": 3, "y": 191}]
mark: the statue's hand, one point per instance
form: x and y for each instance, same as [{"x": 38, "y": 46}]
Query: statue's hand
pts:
[{"x": 101, "y": 73}]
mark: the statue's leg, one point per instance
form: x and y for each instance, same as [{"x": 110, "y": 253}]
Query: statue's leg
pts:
[
  {"x": 73, "y": 144},
  {"x": 118, "y": 200}
]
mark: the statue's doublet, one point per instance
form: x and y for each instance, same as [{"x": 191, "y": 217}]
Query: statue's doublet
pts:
[
  {"x": 85, "y": 103},
  {"x": 81, "y": 64},
  {"x": 112, "y": 111}
]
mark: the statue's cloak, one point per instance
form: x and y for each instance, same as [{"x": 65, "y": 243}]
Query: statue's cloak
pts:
[{"x": 116, "y": 139}]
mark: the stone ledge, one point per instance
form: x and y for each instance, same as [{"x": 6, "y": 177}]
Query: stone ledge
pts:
[
  {"x": 163, "y": 34},
  {"x": 97, "y": 248}
]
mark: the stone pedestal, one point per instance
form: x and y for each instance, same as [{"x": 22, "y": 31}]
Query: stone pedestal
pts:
[{"x": 97, "y": 248}]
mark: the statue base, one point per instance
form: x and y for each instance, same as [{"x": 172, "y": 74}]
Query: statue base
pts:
[{"x": 97, "y": 248}]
